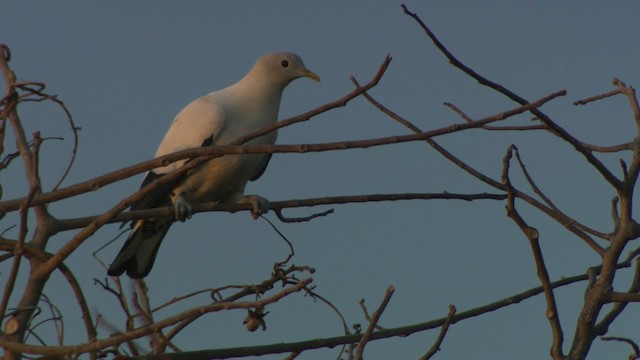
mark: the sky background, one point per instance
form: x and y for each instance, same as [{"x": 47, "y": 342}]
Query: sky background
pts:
[{"x": 125, "y": 69}]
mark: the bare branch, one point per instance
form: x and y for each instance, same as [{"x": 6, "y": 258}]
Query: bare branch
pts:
[
  {"x": 387, "y": 333},
  {"x": 33, "y": 289},
  {"x": 74, "y": 128},
  {"x": 17, "y": 254},
  {"x": 624, "y": 297},
  {"x": 532, "y": 235},
  {"x": 566, "y": 220},
  {"x": 597, "y": 97},
  {"x": 634, "y": 346},
  {"x": 34, "y": 252},
  {"x": 621, "y": 300},
  {"x": 372, "y": 325},
  {"x": 486, "y": 179},
  {"x": 148, "y": 329},
  {"x": 466, "y": 118},
  {"x": 167, "y": 211},
  {"x": 546, "y": 120},
  {"x": 443, "y": 332},
  {"x": 366, "y": 314},
  {"x": 630, "y": 92},
  {"x": 608, "y": 149}
]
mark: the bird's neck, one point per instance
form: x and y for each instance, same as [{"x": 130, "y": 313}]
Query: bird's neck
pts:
[{"x": 258, "y": 90}]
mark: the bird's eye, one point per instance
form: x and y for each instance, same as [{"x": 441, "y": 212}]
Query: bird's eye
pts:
[{"x": 285, "y": 63}]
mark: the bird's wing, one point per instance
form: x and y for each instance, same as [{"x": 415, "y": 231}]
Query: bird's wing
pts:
[{"x": 198, "y": 124}]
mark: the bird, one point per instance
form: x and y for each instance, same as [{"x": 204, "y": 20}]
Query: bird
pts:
[{"x": 214, "y": 119}]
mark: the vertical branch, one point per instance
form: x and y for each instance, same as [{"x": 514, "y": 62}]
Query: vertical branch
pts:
[
  {"x": 17, "y": 253},
  {"x": 19, "y": 248},
  {"x": 372, "y": 325},
  {"x": 630, "y": 92},
  {"x": 158, "y": 340},
  {"x": 633, "y": 170},
  {"x": 33, "y": 290},
  {"x": 533, "y": 237}
]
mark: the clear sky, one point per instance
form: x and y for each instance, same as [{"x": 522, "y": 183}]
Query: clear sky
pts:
[{"x": 125, "y": 69}]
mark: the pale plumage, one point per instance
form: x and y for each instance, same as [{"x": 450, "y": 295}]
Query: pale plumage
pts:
[{"x": 215, "y": 119}]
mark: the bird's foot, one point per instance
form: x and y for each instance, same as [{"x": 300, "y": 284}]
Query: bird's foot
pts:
[
  {"x": 259, "y": 205},
  {"x": 182, "y": 208}
]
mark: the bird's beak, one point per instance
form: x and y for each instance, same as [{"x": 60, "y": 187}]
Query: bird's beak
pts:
[{"x": 311, "y": 74}]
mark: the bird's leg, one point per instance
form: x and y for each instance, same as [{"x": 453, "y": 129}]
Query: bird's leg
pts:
[
  {"x": 259, "y": 205},
  {"x": 181, "y": 206}
]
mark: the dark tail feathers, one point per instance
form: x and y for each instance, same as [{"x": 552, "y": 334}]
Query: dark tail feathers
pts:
[{"x": 139, "y": 251}]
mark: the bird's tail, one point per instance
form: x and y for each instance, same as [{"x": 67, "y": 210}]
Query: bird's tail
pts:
[{"x": 139, "y": 251}]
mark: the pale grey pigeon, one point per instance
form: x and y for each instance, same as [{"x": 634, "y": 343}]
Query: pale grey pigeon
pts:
[{"x": 215, "y": 119}]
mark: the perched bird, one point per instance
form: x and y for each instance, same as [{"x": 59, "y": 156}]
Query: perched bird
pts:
[{"x": 214, "y": 119}]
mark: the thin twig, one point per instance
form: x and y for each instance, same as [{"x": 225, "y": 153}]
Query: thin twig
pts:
[
  {"x": 550, "y": 203},
  {"x": 31, "y": 252},
  {"x": 546, "y": 120},
  {"x": 597, "y": 97},
  {"x": 484, "y": 178},
  {"x": 443, "y": 332},
  {"x": 26, "y": 86},
  {"x": 630, "y": 92},
  {"x": 148, "y": 329},
  {"x": 466, "y": 118},
  {"x": 366, "y": 314},
  {"x": 636, "y": 349},
  {"x": 291, "y": 220},
  {"x": 246, "y": 290},
  {"x": 372, "y": 325}
]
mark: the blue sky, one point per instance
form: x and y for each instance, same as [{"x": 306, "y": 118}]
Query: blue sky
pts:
[{"x": 125, "y": 69}]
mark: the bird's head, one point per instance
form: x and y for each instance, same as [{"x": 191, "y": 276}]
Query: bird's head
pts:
[{"x": 282, "y": 68}]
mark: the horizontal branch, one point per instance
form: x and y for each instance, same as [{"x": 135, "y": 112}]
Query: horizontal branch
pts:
[
  {"x": 95, "y": 184},
  {"x": 624, "y": 297},
  {"x": 597, "y": 97},
  {"x": 168, "y": 211},
  {"x": 350, "y": 339}
]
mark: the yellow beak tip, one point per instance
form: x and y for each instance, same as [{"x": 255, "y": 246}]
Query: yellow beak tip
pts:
[{"x": 310, "y": 74}]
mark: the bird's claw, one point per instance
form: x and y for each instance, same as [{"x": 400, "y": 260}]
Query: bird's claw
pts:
[
  {"x": 182, "y": 208},
  {"x": 259, "y": 205}
]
